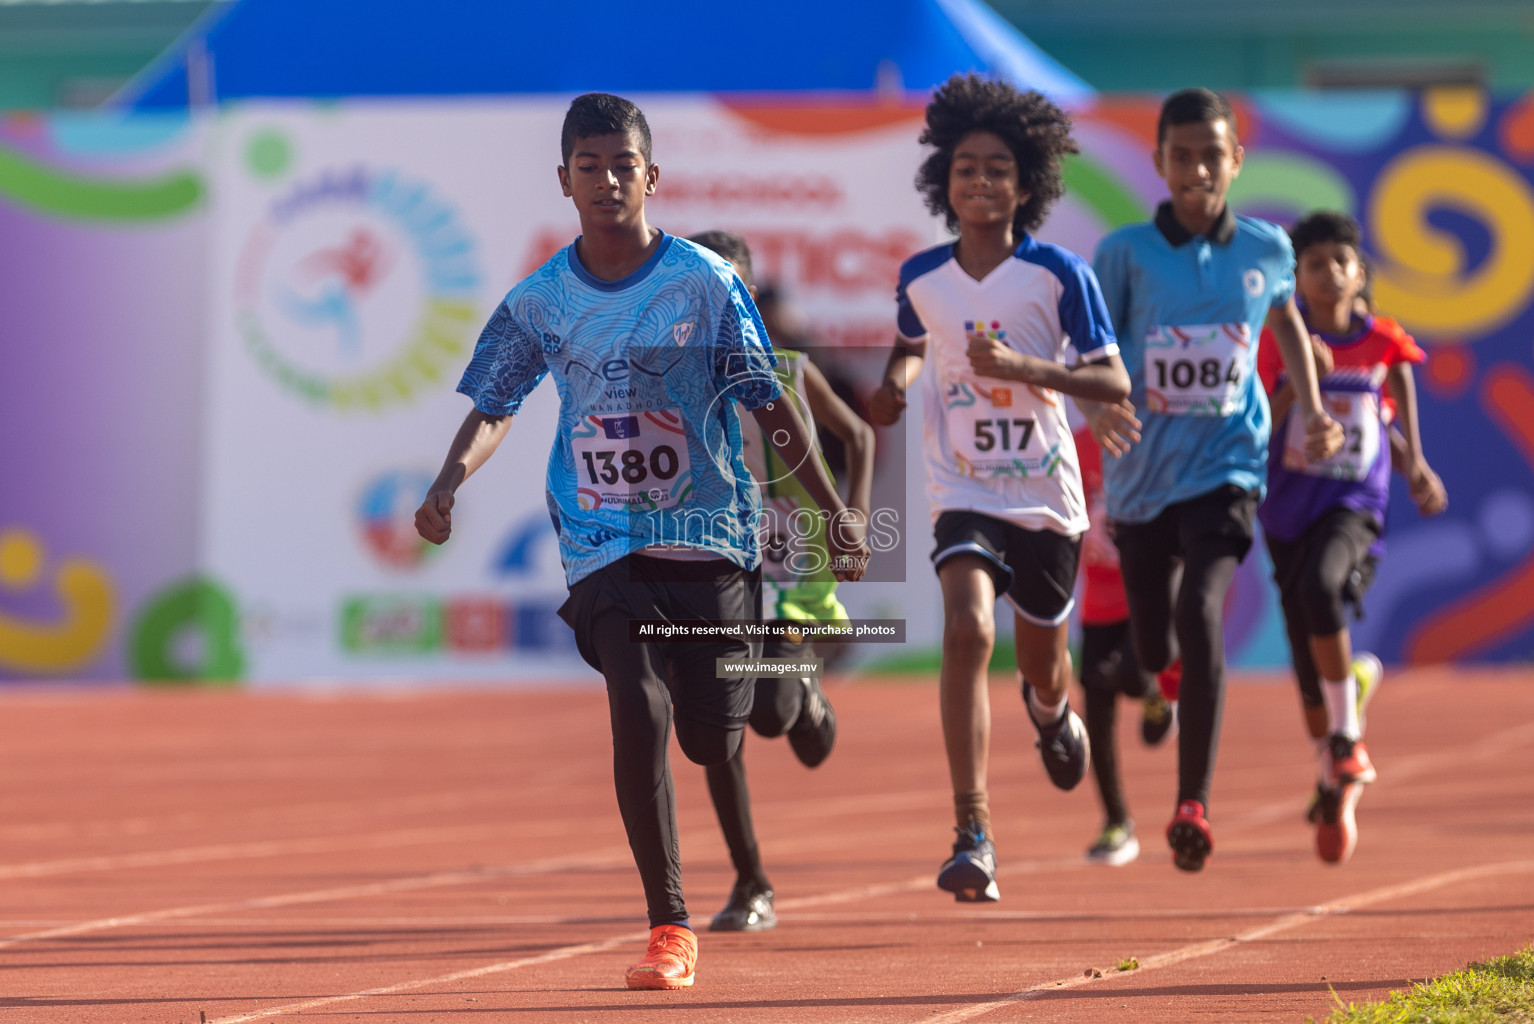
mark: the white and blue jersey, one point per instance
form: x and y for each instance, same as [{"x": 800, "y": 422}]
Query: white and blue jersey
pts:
[
  {"x": 1188, "y": 311},
  {"x": 649, "y": 368},
  {"x": 1001, "y": 447}
]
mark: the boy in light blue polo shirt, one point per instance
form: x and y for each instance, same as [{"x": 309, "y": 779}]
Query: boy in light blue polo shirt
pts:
[{"x": 1189, "y": 294}]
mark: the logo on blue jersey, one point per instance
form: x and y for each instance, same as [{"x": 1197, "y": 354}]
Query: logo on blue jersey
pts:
[{"x": 618, "y": 428}]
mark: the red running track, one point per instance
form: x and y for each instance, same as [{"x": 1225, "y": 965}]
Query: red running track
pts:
[{"x": 173, "y": 857}]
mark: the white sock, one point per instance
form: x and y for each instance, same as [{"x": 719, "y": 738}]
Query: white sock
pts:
[
  {"x": 1044, "y": 714},
  {"x": 1341, "y": 699},
  {"x": 1323, "y": 748}
]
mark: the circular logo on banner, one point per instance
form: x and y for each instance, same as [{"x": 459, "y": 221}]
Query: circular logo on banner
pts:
[
  {"x": 358, "y": 289},
  {"x": 386, "y": 518}
]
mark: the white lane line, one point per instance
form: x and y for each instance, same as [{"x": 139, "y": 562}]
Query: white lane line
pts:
[
  {"x": 285, "y": 814},
  {"x": 260, "y": 848},
  {"x": 1262, "y": 931},
  {"x": 599, "y": 859},
  {"x": 562, "y": 953}
]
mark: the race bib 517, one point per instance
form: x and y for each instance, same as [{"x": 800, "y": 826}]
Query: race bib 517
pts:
[{"x": 996, "y": 430}]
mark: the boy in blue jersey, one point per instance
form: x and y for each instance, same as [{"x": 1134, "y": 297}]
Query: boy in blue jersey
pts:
[
  {"x": 652, "y": 341},
  {"x": 995, "y": 312},
  {"x": 1189, "y": 294}
]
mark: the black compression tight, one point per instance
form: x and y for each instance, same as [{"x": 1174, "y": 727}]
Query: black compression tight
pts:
[{"x": 1171, "y": 617}]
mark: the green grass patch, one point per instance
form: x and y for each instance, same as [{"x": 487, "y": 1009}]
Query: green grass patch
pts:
[{"x": 1499, "y": 991}]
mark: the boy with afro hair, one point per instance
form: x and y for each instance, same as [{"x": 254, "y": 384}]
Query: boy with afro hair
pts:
[{"x": 995, "y": 311}]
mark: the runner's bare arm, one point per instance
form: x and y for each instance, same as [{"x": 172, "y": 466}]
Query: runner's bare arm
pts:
[
  {"x": 1427, "y": 490},
  {"x": 1115, "y": 427},
  {"x": 887, "y": 403},
  {"x": 1102, "y": 380},
  {"x": 1281, "y": 399},
  {"x": 1323, "y": 435},
  {"x": 845, "y": 528},
  {"x": 477, "y": 439},
  {"x": 858, "y": 437}
]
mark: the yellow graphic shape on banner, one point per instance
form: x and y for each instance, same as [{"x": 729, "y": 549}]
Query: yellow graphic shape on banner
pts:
[
  {"x": 1424, "y": 278},
  {"x": 1454, "y": 111},
  {"x": 82, "y": 587}
]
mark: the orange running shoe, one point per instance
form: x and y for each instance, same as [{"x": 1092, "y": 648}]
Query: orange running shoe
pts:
[
  {"x": 670, "y": 962},
  {"x": 1350, "y": 761},
  {"x": 1336, "y": 826}
]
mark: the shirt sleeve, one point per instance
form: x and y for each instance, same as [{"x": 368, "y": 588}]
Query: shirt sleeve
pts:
[
  {"x": 1283, "y": 288},
  {"x": 1084, "y": 313},
  {"x": 507, "y": 365},
  {"x": 1404, "y": 348},
  {"x": 907, "y": 324},
  {"x": 743, "y": 357},
  {"x": 1111, "y": 268}
]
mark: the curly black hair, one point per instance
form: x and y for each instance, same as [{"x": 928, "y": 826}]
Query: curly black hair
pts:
[{"x": 1036, "y": 131}]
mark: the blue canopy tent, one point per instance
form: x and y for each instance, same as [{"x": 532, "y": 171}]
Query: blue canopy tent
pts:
[{"x": 333, "y": 48}]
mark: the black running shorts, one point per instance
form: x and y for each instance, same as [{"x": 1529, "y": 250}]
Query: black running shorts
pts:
[{"x": 1034, "y": 569}]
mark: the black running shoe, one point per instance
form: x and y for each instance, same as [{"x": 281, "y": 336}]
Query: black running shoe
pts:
[
  {"x": 1063, "y": 747},
  {"x": 813, "y": 733},
  {"x": 970, "y": 874},
  {"x": 749, "y": 910},
  {"x": 1158, "y": 718}
]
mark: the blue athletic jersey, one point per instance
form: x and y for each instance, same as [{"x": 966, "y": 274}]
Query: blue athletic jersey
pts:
[
  {"x": 1188, "y": 317},
  {"x": 649, "y": 368}
]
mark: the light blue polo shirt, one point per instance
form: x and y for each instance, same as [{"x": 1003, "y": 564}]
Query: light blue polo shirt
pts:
[{"x": 1188, "y": 312}]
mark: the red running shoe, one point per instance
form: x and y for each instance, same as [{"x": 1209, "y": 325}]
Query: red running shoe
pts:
[
  {"x": 1189, "y": 837},
  {"x": 670, "y": 961},
  {"x": 1350, "y": 761},
  {"x": 1337, "y": 829}
]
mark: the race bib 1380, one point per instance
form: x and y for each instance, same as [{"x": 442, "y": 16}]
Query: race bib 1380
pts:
[{"x": 631, "y": 460}]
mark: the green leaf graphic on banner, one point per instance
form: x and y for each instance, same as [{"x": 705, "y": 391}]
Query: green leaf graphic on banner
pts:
[
  {"x": 1290, "y": 181},
  {"x": 50, "y": 191},
  {"x": 1102, "y": 190}
]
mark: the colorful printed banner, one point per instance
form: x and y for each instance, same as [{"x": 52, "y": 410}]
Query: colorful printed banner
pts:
[{"x": 230, "y": 349}]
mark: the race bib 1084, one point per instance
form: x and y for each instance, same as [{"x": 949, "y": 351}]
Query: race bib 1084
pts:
[
  {"x": 1197, "y": 369},
  {"x": 631, "y": 460}
]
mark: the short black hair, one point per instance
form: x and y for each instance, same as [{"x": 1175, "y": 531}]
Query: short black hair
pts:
[
  {"x": 1326, "y": 226},
  {"x": 1191, "y": 106},
  {"x": 729, "y": 245},
  {"x": 1036, "y": 131},
  {"x": 602, "y": 113}
]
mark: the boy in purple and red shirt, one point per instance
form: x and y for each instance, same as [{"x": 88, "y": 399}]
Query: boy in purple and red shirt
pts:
[{"x": 1324, "y": 519}]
